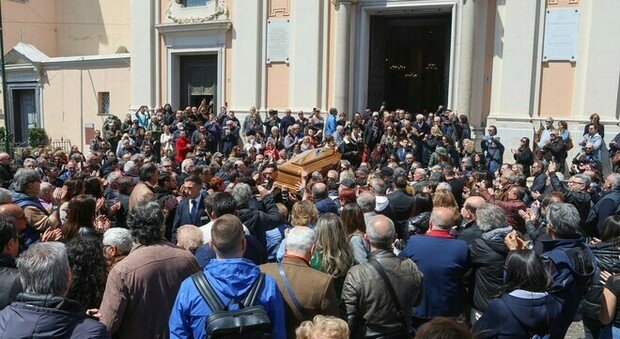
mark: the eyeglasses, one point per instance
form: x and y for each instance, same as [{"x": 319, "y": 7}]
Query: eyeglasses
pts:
[{"x": 575, "y": 182}]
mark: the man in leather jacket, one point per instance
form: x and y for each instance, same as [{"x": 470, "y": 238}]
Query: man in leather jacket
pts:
[
  {"x": 576, "y": 194},
  {"x": 365, "y": 292}
]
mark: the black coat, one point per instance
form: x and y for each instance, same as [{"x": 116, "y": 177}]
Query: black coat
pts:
[
  {"x": 6, "y": 176},
  {"x": 259, "y": 222},
  {"x": 580, "y": 199},
  {"x": 46, "y": 316},
  {"x": 10, "y": 285},
  {"x": 525, "y": 157},
  {"x": 607, "y": 259},
  {"x": 401, "y": 204},
  {"x": 488, "y": 258},
  {"x": 469, "y": 233}
]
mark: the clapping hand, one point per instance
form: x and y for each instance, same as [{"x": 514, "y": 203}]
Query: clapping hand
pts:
[
  {"x": 51, "y": 235},
  {"x": 102, "y": 223},
  {"x": 514, "y": 242}
]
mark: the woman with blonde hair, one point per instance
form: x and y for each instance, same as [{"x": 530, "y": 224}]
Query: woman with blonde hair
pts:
[
  {"x": 322, "y": 327},
  {"x": 333, "y": 254},
  {"x": 445, "y": 198},
  {"x": 303, "y": 214}
]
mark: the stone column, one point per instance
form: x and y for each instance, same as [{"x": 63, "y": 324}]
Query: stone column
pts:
[
  {"x": 341, "y": 67},
  {"x": 466, "y": 53},
  {"x": 142, "y": 54}
]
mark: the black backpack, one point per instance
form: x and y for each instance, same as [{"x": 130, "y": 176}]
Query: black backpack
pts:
[{"x": 249, "y": 321}]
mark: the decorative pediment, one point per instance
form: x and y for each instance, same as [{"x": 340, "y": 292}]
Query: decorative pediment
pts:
[{"x": 213, "y": 10}]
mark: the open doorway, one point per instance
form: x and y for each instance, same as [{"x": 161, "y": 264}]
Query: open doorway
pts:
[
  {"x": 409, "y": 61},
  {"x": 198, "y": 79}
]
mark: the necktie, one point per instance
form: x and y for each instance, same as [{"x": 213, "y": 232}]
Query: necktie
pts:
[{"x": 193, "y": 211}]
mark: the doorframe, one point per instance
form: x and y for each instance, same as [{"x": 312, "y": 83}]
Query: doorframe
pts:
[
  {"x": 361, "y": 49},
  {"x": 38, "y": 97},
  {"x": 173, "y": 69}
]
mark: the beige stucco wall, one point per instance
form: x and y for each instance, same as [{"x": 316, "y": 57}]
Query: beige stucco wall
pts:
[
  {"x": 90, "y": 27},
  {"x": 62, "y": 97},
  {"x": 30, "y": 22},
  {"x": 557, "y": 79},
  {"x": 277, "y": 74}
]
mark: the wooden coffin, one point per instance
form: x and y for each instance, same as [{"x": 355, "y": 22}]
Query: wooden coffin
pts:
[{"x": 319, "y": 159}]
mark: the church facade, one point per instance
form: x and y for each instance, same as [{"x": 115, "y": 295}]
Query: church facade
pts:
[{"x": 508, "y": 63}]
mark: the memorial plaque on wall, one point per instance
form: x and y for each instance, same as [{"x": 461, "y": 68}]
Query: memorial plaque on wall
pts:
[
  {"x": 278, "y": 36},
  {"x": 561, "y": 34}
]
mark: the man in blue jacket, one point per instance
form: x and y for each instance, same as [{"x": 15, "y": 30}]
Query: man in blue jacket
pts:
[
  {"x": 232, "y": 278},
  {"x": 443, "y": 262},
  {"x": 572, "y": 264},
  {"x": 330, "y": 122}
]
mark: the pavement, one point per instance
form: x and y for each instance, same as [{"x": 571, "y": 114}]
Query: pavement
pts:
[{"x": 575, "y": 331}]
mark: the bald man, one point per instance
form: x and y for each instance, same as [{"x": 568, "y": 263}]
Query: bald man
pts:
[
  {"x": 322, "y": 201},
  {"x": 443, "y": 270},
  {"x": 469, "y": 230}
]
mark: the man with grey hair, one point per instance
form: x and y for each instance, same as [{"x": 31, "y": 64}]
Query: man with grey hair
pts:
[
  {"x": 296, "y": 271},
  {"x": 366, "y": 201},
  {"x": 567, "y": 257},
  {"x": 43, "y": 310},
  {"x": 382, "y": 206},
  {"x": 27, "y": 187},
  {"x": 576, "y": 194},
  {"x": 257, "y": 221},
  {"x": 370, "y": 306},
  {"x": 444, "y": 261},
  {"x": 117, "y": 243},
  {"x": 488, "y": 255},
  {"x": 608, "y": 205}
]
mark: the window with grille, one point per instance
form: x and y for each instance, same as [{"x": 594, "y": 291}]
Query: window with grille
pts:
[{"x": 104, "y": 102}]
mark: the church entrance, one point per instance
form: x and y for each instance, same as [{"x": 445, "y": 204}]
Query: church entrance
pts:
[
  {"x": 198, "y": 79},
  {"x": 409, "y": 61}
]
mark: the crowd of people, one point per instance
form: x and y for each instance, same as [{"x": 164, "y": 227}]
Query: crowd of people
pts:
[{"x": 173, "y": 224}]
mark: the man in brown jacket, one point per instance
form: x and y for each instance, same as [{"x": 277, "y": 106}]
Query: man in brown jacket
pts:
[
  {"x": 312, "y": 290},
  {"x": 141, "y": 289}
]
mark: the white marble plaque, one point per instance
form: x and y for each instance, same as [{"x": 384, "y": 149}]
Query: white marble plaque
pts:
[
  {"x": 561, "y": 34},
  {"x": 278, "y": 36}
]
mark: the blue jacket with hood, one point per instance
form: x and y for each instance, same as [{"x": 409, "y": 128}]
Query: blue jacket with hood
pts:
[
  {"x": 231, "y": 279},
  {"x": 519, "y": 314},
  {"x": 572, "y": 266}
]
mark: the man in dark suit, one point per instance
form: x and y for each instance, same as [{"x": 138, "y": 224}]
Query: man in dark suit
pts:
[
  {"x": 191, "y": 210},
  {"x": 540, "y": 178},
  {"x": 402, "y": 205},
  {"x": 455, "y": 183}
]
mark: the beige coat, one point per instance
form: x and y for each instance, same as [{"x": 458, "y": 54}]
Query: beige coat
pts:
[{"x": 313, "y": 289}]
